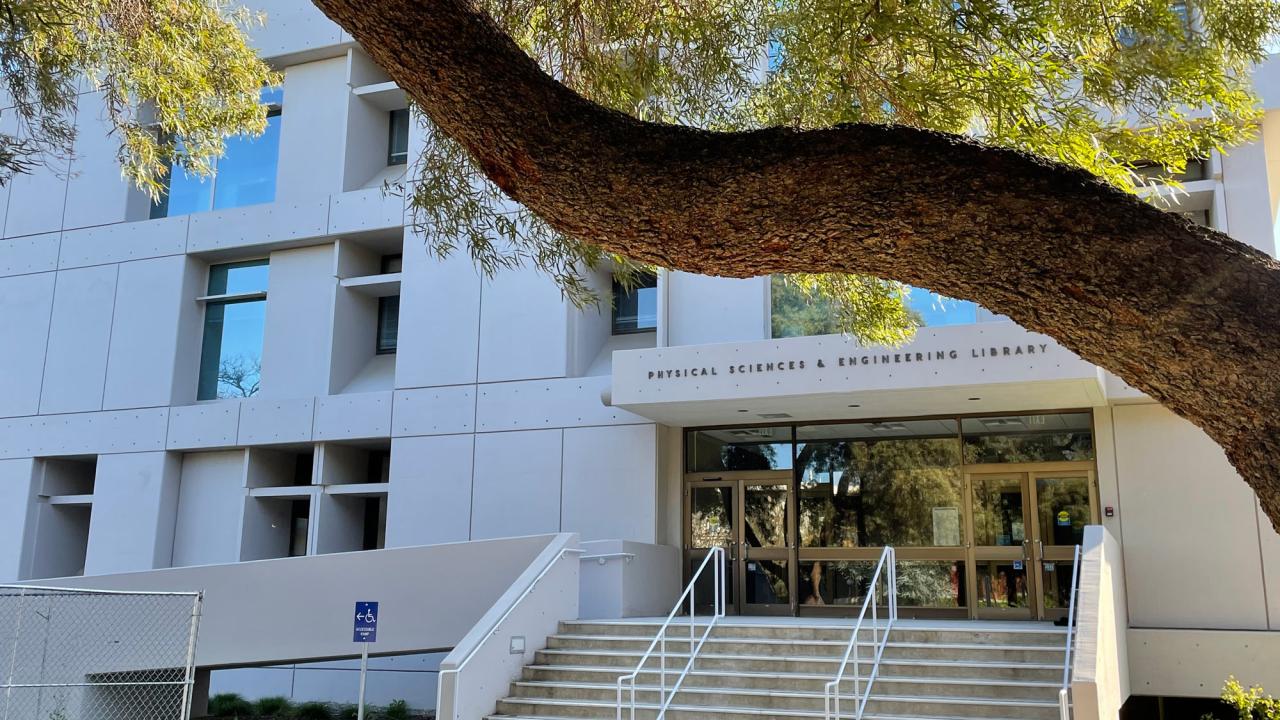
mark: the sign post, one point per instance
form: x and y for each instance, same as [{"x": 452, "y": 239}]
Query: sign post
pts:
[{"x": 364, "y": 631}]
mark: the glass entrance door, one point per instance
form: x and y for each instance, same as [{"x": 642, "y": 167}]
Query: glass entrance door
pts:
[
  {"x": 1064, "y": 504},
  {"x": 1025, "y": 527},
  {"x": 1001, "y": 546},
  {"x": 752, "y": 519}
]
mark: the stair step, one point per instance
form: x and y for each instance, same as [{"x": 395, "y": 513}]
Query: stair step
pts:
[
  {"x": 901, "y": 707},
  {"x": 772, "y": 697}
]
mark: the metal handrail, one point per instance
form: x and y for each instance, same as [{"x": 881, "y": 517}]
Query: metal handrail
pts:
[
  {"x": 831, "y": 695},
  {"x": 660, "y": 641},
  {"x": 1064, "y": 705}
]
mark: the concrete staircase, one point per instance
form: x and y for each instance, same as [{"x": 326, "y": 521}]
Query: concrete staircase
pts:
[{"x": 933, "y": 670}]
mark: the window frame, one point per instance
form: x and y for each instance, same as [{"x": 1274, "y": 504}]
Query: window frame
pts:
[
  {"x": 395, "y": 158},
  {"x": 236, "y": 298},
  {"x": 275, "y": 108},
  {"x": 378, "y": 347},
  {"x": 617, "y": 290}
]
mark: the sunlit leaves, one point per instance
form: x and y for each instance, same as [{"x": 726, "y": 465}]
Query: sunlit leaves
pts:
[
  {"x": 165, "y": 69},
  {"x": 1101, "y": 86}
]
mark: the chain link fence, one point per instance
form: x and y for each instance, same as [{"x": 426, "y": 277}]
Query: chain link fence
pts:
[{"x": 96, "y": 655}]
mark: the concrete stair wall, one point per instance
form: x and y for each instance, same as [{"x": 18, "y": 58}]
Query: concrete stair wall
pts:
[{"x": 932, "y": 670}]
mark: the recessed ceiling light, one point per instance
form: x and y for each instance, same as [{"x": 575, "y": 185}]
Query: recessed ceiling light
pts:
[{"x": 774, "y": 416}]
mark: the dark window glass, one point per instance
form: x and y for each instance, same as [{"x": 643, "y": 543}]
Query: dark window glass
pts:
[
  {"x": 379, "y": 466},
  {"x": 391, "y": 264},
  {"x": 388, "y": 323},
  {"x": 374, "y": 535},
  {"x": 302, "y": 468},
  {"x": 1028, "y": 438},
  {"x": 398, "y": 138},
  {"x": 880, "y": 483},
  {"x": 299, "y": 524},
  {"x": 760, "y": 448},
  {"x": 244, "y": 175},
  {"x": 636, "y": 310}
]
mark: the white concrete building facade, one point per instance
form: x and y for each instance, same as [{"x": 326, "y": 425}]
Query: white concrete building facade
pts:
[{"x": 271, "y": 367}]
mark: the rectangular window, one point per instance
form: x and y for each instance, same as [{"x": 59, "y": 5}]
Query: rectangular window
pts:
[
  {"x": 636, "y": 309},
  {"x": 388, "y": 323},
  {"x": 231, "y": 353},
  {"x": 398, "y": 138},
  {"x": 244, "y": 175}
]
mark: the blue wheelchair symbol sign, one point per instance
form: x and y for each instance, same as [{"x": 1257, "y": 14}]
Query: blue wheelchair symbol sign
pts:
[{"x": 366, "y": 622}]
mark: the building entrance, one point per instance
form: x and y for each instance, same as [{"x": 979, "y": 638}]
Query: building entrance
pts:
[
  {"x": 1025, "y": 527},
  {"x": 984, "y": 522},
  {"x": 750, "y": 516}
]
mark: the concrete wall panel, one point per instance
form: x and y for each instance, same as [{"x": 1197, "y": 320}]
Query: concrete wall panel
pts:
[
  {"x": 610, "y": 482},
  {"x": 145, "y": 333},
  {"x": 29, "y": 254},
  {"x": 79, "y": 334},
  {"x": 357, "y": 415},
  {"x": 124, "y": 241},
  {"x": 37, "y": 199},
  {"x": 440, "y": 302},
  {"x": 135, "y": 502},
  {"x": 207, "y": 425},
  {"x": 210, "y": 507},
  {"x": 312, "y": 126},
  {"x": 292, "y": 26},
  {"x": 711, "y": 310},
  {"x": 264, "y": 422},
  {"x": 299, "y": 323},
  {"x": 365, "y": 210},
  {"x": 524, "y": 327},
  {"x": 429, "y": 494},
  {"x": 540, "y": 404},
  {"x": 517, "y": 484},
  {"x": 97, "y": 193},
  {"x": 1189, "y": 560},
  {"x": 84, "y": 433},
  {"x": 17, "y": 516},
  {"x": 26, "y": 302},
  {"x": 287, "y": 221},
  {"x": 434, "y": 411}
]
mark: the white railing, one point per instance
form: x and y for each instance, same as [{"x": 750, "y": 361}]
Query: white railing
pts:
[
  {"x": 832, "y": 693},
  {"x": 1064, "y": 704},
  {"x": 714, "y": 558}
]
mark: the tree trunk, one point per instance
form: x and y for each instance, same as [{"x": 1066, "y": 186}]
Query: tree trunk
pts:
[{"x": 1183, "y": 313}]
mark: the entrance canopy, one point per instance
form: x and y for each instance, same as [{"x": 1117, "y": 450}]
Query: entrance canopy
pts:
[{"x": 985, "y": 367}]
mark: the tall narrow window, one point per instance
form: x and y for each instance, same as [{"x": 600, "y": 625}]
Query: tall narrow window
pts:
[
  {"x": 388, "y": 324},
  {"x": 244, "y": 175},
  {"x": 299, "y": 527},
  {"x": 234, "y": 315},
  {"x": 635, "y": 309},
  {"x": 398, "y": 138}
]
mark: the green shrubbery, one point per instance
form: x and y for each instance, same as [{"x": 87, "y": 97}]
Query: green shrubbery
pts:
[
  {"x": 1251, "y": 703},
  {"x": 231, "y": 705}
]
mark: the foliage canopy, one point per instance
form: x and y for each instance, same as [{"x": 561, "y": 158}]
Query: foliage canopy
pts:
[
  {"x": 175, "y": 77},
  {"x": 1106, "y": 87}
]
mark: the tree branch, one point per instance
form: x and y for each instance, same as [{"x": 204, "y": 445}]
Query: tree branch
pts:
[{"x": 1183, "y": 313}]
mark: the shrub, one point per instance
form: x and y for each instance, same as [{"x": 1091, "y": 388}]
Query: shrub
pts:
[
  {"x": 347, "y": 712},
  {"x": 230, "y": 705},
  {"x": 1251, "y": 704},
  {"x": 313, "y": 711},
  {"x": 276, "y": 706},
  {"x": 397, "y": 710}
]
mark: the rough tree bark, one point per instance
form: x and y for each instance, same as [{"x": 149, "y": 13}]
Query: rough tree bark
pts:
[{"x": 1183, "y": 313}]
